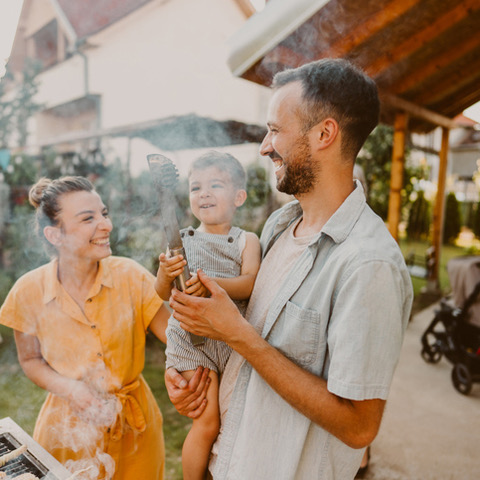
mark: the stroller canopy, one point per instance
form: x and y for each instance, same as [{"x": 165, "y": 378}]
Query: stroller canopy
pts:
[{"x": 464, "y": 275}]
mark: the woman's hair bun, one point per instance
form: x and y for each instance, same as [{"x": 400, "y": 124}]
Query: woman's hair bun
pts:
[{"x": 36, "y": 192}]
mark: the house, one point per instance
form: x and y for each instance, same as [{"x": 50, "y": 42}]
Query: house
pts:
[
  {"x": 463, "y": 158},
  {"x": 124, "y": 78}
]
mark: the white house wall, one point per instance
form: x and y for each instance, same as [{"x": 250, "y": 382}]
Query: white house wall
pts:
[
  {"x": 166, "y": 59},
  {"x": 62, "y": 83},
  {"x": 169, "y": 58}
]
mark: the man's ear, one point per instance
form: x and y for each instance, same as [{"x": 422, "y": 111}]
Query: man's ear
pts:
[
  {"x": 325, "y": 133},
  {"x": 240, "y": 198},
  {"x": 53, "y": 235}
]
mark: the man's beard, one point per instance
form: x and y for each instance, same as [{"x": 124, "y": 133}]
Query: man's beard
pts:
[{"x": 300, "y": 173}]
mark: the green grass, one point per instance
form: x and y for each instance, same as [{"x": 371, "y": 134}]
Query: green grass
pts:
[
  {"x": 175, "y": 426},
  {"x": 20, "y": 399},
  {"x": 447, "y": 252}
]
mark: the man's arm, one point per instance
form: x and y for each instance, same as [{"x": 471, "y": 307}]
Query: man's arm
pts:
[{"x": 355, "y": 423}]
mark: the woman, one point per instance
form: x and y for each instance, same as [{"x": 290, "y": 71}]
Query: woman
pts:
[{"x": 80, "y": 324}]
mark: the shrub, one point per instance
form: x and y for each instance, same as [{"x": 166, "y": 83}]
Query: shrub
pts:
[
  {"x": 453, "y": 219},
  {"x": 418, "y": 225}
]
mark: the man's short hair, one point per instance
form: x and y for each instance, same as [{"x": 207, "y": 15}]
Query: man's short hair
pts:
[
  {"x": 336, "y": 88},
  {"x": 224, "y": 162}
]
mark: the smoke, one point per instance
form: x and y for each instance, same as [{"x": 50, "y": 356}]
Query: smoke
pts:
[{"x": 100, "y": 465}]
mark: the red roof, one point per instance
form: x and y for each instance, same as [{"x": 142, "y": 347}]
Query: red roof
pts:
[
  {"x": 464, "y": 121},
  {"x": 90, "y": 16}
]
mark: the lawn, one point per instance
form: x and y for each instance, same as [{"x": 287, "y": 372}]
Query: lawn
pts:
[
  {"x": 20, "y": 399},
  {"x": 447, "y": 252}
]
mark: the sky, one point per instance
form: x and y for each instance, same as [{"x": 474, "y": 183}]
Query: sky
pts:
[{"x": 10, "y": 10}]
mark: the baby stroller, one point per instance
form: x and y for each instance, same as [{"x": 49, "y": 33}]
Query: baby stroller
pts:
[{"x": 455, "y": 330}]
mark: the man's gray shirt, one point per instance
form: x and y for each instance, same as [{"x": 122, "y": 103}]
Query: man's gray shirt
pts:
[{"x": 341, "y": 314}]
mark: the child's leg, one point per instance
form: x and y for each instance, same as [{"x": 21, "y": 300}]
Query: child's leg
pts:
[{"x": 204, "y": 431}]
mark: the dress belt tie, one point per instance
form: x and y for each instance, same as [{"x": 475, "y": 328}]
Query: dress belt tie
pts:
[{"x": 131, "y": 412}]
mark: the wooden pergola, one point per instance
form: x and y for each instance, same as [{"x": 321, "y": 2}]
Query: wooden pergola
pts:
[{"x": 423, "y": 54}]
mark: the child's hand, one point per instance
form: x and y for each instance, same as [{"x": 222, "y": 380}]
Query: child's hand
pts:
[
  {"x": 196, "y": 288},
  {"x": 171, "y": 267}
]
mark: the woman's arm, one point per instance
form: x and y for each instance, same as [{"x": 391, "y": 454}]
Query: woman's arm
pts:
[
  {"x": 240, "y": 288},
  {"x": 82, "y": 399},
  {"x": 159, "y": 323}
]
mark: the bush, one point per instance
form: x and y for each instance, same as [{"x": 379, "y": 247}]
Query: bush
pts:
[
  {"x": 418, "y": 225},
  {"x": 453, "y": 219},
  {"x": 6, "y": 283},
  {"x": 476, "y": 220}
]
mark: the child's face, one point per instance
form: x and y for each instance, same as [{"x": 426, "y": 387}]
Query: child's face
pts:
[{"x": 213, "y": 197}]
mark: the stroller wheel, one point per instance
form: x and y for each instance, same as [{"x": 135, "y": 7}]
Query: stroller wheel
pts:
[
  {"x": 462, "y": 378},
  {"x": 431, "y": 354}
]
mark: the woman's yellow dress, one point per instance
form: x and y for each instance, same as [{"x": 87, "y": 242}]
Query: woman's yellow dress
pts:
[{"x": 105, "y": 347}]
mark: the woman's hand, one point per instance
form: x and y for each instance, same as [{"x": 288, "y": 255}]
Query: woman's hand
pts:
[
  {"x": 91, "y": 406},
  {"x": 189, "y": 398}
]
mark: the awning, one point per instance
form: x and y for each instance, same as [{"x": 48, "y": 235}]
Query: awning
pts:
[
  {"x": 423, "y": 54},
  {"x": 266, "y": 29},
  {"x": 174, "y": 133}
]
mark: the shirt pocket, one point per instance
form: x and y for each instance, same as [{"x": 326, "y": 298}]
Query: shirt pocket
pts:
[{"x": 296, "y": 334}]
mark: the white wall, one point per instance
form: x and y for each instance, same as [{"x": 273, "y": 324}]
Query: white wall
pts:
[
  {"x": 166, "y": 59},
  {"x": 169, "y": 58}
]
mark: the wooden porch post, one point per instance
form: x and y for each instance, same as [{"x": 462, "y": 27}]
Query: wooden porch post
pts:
[
  {"x": 396, "y": 175},
  {"x": 433, "y": 284}
]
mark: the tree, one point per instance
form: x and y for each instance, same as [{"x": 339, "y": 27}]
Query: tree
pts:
[
  {"x": 418, "y": 225},
  {"x": 16, "y": 111},
  {"x": 6, "y": 113},
  {"x": 476, "y": 221},
  {"x": 453, "y": 219},
  {"x": 376, "y": 160}
]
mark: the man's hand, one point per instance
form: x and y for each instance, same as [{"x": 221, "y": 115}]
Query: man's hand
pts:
[
  {"x": 189, "y": 398},
  {"x": 215, "y": 317}
]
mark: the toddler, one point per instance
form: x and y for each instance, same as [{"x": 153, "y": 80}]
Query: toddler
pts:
[{"x": 232, "y": 257}]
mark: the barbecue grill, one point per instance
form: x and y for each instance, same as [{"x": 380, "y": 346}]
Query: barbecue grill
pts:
[{"x": 35, "y": 460}]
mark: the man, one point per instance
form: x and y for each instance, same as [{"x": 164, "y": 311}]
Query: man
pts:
[{"x": 307, "y": 383}]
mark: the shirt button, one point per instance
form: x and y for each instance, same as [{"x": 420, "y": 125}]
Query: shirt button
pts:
[
  {"x": 89, "y": 300},
  {"x": 99, "y": 354},
  {"x": 93, "y": 327}
]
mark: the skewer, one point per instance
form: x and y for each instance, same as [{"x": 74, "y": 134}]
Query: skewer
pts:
[
  {"x": 78, "y": 472},
  {"x": 13, "y": 454},
  {"x": 27, "y": 476}
]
